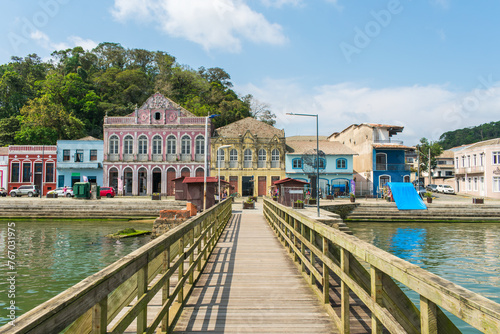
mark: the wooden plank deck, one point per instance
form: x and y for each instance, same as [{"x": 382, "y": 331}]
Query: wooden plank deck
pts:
[{"x": 251, "y": 285}]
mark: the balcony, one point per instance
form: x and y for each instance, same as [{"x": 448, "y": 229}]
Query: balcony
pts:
[
  {"x": 233, "y": 164},
  {"x": 388, "y": 141},
  {"x": 470, "y": 170},
  {"x": 171, "y": 157},
  {"x": 220, "y": 164},
  {"x": 113, "y": 157},
  {"x": 393, "y": 167},
  {"x": 276, "y": 164},
  {"x": 199, "y": 157},
  {"x": 185, "y": 157},
  {"x": 247, "y": 164},
  {"x": 157, "y": 157},
  {"x": 142, "y": 157},
  {"x": 261, "y": 164}
]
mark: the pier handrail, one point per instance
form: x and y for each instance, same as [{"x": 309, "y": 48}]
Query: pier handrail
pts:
[
  {"x": 321, "y": 251},
  {"x": 94, "y": 303}
]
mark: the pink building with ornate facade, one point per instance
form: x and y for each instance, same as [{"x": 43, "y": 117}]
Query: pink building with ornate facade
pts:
[{"x": 146, "y": 150}]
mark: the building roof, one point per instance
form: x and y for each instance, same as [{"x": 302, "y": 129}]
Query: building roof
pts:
[
  {"x": 289, "y": 180},
  {"x": 447, "y": 155},
  {"x": 200, "y": 179},
  {"x": 328, "y": 147},
  {"x": 89, "y": 138},
  {"x": 255, "y": 127},
  {"x": 488, "y": 142},
  {"x": 393, "y": 129},
  {"x": 294, "y": 138},
  {"x": 159, "y": 101},
  {"x": 393, "y": 147},
  {"x": 4, "y": 151}
]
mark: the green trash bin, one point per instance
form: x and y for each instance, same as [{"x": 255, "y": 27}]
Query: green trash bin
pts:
[{"x": 81, "y": 190}]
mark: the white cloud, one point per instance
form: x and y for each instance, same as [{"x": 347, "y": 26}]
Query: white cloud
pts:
[
  {"x": 424, "y": 111},
  {"x": 215, "y": 24},
  {"x": 281, "y": 3},
  {"x": 44, "y": 41}
]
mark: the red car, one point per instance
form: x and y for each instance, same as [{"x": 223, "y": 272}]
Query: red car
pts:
[{"x": 109, "y": 192}]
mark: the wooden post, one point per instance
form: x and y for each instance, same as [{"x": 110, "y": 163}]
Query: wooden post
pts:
[
  {"x": 428, "y": 316},
  {"x": 344, "y": 264},
  {"x": 376, "y": 292},
  {"x": 303, "y": 246},
  {"x": 165, "y": 293},
  {"x": 100, "y": 317},
  {"x": 180, "y": 296},
  {"x": 313, "y": 258},
  {"x": 191, "y": 258},
  {"x": 326, "y": 274},
  {"x": 142, "y": 288}
]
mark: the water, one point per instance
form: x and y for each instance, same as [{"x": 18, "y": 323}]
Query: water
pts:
[
  {"x": 53, "y": 256},
  {"x": 467, "y": 254}
]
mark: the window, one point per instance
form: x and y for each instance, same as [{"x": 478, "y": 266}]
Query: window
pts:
[
  {"x": 406, "y": 179},
  {"x": 381, "y": 161},
  {"x": 27, "y": 172},
  {"x": 262, "y": 158},
  {"x": 200, "y": 145},
  {"x": 14, "y": 177},
  {"x": 409, "y": 160},
  {"x": 93, "y": 155},
  {"x": 171, "y": 144},
  {"x": 463, "y": 160},
  {"x": 468, "y": 161},
  {"x": 297, "y": 163},
  {"x": 496, "y": 158},
  {"x": 247, "y": 157},
  {"x": 469, "y": 184},
  {"x": 156, "y": 145},
  {"x": 383, "y": 180},
  {"x": 475, "y": 184},
  {"x": 322, "y": 163},
  {"x": 185, "y": 145},
  {"x": 341, "y": 163},
  {"x": 474, "y": 160},
  {"x": 128, "y": 144},
  {"x": 143, "y": 145},
  {"x": 220, "y": 155},
  {"x": 275, "y": 158},
  {"x": 113, "y": 145},
  {"x": 157, "y": 116},
  {"x": 496, "y": 184},
  {"x": 66, "y": 155},
  {"x": 233, "y": 158},
  {"x": 49, "y": 172},
  {"x": 79, "y": 156},
  {"x": 456, "y": 162},
  {"x": 481, "y": 159}
]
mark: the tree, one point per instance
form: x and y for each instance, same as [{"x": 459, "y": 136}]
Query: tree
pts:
[
  {"x": 9, "y": 128},
  {"x": 261, "y": 110},
  {"x": 423, "y": 153}
]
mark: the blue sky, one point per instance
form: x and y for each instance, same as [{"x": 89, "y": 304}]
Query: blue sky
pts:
[{"x": 430, "y": 65}]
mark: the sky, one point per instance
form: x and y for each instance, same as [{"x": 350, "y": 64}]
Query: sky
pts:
[{"x": 429, "y": 65}]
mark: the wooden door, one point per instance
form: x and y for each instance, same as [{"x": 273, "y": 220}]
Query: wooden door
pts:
[
  {"x": 262, "y": 186},
  {"x": 233, "y": 182},
  {"x": 170, "y": 183}
]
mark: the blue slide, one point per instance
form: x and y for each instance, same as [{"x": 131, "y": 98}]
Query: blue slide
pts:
[{"x": 406, "y": 197}]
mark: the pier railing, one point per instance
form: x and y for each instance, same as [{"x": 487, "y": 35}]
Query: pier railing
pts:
[
  {"x": 325, "y": 255},
  {"x": 125, "y": 287}
]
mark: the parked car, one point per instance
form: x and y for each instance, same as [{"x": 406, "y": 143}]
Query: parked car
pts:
[
  {"x": 30, "y": 190},
  {"x": 109, "y": 192},
  {"x": 3, "y": 192},
  {"x": 60, "y": 192},
  {"x": 445, "y": 189},
  {"x": 421, "y": 191},
  {"x": 431, "y": 187}
]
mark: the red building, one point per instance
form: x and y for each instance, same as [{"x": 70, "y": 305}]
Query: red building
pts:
[{"x": 32, "y": 164}]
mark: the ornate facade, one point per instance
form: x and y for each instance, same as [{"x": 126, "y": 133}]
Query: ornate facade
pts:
[
  {"x": 146, "y": 150},
  {"x": 254, "y": 159}
]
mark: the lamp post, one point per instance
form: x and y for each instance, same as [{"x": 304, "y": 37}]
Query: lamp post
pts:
[
  {"x": 218, "y": 165},
  {"x": 206, "y": 162},
  {"x": 317, "y": 154}
]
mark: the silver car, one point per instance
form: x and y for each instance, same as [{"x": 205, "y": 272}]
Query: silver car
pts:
[
  {"x": 445, "y": 189},
  {"x": 60, "y": 192},
  {"x": 30, "y": 191}
]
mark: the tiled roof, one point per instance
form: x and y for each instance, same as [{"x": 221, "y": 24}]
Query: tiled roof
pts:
[
  {"x": 289, "y": 180},
  {"x": 373, "y": 125},
  {"x": 489, "y": 142},
  {"x": 328, "y": 147},
  {"x": 393, "y": 129},
  {"x": 294, "y": 138},
  {"x": 4, "y": 151},
  {"x": 256, "y": 128},
  {"x": 447, "y": 154},
  {"x": 391, "y": 146},
  {"x": 200, "y": 179},
  {"x": 88, "y": 138}
]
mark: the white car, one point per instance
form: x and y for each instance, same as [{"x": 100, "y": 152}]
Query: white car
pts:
[
  {"x": 445, "y": 189},
  {"x": 60, "y": 192}
]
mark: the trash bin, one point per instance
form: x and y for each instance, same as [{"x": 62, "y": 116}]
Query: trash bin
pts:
[{"x": 81, "y": 190}]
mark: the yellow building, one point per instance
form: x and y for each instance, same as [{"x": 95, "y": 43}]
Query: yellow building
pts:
[{"x": 253, "y": 156}]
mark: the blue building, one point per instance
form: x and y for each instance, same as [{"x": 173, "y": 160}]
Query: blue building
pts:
[
  {"x": 79, "y": 160},
  {"x": 336, "y": 164},
  {"x": 380, "y": 158}
]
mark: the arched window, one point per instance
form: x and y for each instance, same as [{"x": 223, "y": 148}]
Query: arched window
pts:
[
  {"x": 341, "y": 163},
  {"x": 233, "y": 158},
  {"x": 143, "y": 145},
  {"x": 247, "y": 158},
  {"x": 113, "y": 145},
  {"x": 262, "y": 158},
  {"x": 200, "y": 145},
  {"x": 220, "y": 158},
  {"x": 297, "y": 163},
  {"x": 171, "y": 144},
  {"x": 128, "y": 145},
  {"x": 383, "y": 180},
  {"x": 157, "y": 145},
  {"x": 185, "y": 145},
  {"x": 275, "y": 158},
  {"x": 381, "y": 161},
  {"x": 406, "y": 178}
]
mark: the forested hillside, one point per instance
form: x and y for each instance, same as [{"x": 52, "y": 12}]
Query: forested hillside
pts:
[
  {"x": 68, "y": 96},
  {"x": 470, "y": 135}
]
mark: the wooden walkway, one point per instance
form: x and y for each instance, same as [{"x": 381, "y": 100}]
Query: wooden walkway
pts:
[{"x": 251, "y": 285}]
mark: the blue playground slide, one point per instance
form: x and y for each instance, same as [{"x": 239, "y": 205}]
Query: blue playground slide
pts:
[{"x": 406, "y": 197}]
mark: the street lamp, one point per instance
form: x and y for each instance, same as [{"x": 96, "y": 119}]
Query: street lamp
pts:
[
  {"x": 206, "y": 162},
  {"x": 317, "y": 155},
  {"x": 218, "y": 165}
]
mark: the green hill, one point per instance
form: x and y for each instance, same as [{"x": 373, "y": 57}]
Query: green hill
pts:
[{"x": 470, "y": 135}]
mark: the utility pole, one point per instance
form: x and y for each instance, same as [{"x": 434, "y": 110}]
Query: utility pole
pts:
[{"x": 429, "y": 165}]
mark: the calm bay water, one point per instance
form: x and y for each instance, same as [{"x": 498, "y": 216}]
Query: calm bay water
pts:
[
  {"x": 53, "y": 256},
  {"x": 465, "y": 254}
]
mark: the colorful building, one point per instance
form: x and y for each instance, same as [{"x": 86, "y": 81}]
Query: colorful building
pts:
[
  {"x": 32, "y": 165},
  {"x": 477, "y": 169},
  {"x": 380, "y": 158},
  {"x": 4, "y": 167},
  {"x": 253, "y": 157},
  {"x": 79, "y": 161},
  {"x": 146, "y": 150},
  {"x": 336, "y": 164}
]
